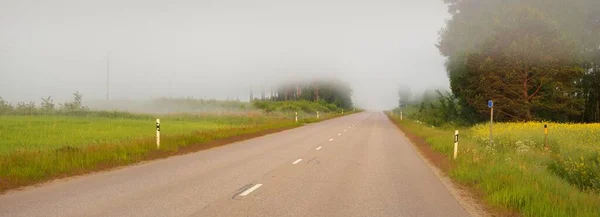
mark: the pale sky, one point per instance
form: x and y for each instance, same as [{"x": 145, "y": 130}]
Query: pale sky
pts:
[{"x": 217, "y": 48}]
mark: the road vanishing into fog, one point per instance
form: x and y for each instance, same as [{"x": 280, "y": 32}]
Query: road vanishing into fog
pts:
[{"x": 357, "y": 165}]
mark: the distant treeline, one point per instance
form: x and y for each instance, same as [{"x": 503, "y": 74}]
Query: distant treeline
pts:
[
  {"x": 120, "y": 107},
  {"x": 326, "y": 91},
  {"x": 47, "y": 106},
  {"x": 537, "y": 59}
]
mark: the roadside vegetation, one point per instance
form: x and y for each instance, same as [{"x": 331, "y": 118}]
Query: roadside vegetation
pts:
[
  {"x": 516, "y": 172},
  {"x": 539, "y": 61},
  {"x": 40, "y": 143}
]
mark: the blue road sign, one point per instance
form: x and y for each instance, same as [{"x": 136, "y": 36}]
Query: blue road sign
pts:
[{"x": 490, "y": 103}]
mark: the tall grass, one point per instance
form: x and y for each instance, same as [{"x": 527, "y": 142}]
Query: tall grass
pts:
[
  {"x": 574, "y": 148},
  {"x": 515, "y": 172}
]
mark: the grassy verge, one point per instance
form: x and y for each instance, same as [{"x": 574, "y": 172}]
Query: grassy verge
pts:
[
  {"x": 513, "y": 173},
  {"x": 35, "y": 149}
]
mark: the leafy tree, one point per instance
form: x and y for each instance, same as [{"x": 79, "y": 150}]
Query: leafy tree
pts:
[
  {"x": 25, "y": 108},
  {"x": 76, "y": 105},
  {"x": 5, "y": 107},
  {"x": 47, "y": 105}
]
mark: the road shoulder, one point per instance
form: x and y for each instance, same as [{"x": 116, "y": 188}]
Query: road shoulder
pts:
[{"x": 440, "y": 166}]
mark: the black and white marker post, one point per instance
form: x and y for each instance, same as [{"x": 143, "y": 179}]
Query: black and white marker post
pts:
[
  {"x": 157, "y": 133},
  {"x": 455, "y": 143}
]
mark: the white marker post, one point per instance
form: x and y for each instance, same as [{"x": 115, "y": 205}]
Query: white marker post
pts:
[
  {"x": 317, "y": 114},
  {"x": 157, "y": 133},
  {"x": 400, "y": 115},
  {"x": 342, "y": 111},
  {"x": 455, "y": 143},
  {"x": 296, "y": 116}
]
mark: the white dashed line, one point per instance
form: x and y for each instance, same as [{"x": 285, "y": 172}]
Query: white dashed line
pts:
[
  {"x": 339, "y": 134},
  {"x": 297, "y": 161},
  {"x": 331, "y": 139},
  {"x": 319, "y": 148},
  {"x": 344, "y": 130},
  {"x": 250, "y": 190}
]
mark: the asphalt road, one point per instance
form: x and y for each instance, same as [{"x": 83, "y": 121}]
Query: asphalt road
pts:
[{"x": 358, "y": 165}]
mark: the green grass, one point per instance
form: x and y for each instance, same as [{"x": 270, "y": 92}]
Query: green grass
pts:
[
  {"x": 510, "y": 175},
  {"x": 51, "y": 132},
  {"x": 38, "y": 148}
]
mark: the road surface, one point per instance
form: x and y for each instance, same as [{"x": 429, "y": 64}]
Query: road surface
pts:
[{"x": 358, "y": 165}]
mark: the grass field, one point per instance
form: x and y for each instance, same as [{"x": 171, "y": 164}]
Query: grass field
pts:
[
  {"x": 51, "y": 132},
  {"x": 516, "y": 172},
  {"x": 37, "y": 148}
]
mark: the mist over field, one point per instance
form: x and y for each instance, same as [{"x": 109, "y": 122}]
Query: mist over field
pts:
[{"x": 217, "y": 49}]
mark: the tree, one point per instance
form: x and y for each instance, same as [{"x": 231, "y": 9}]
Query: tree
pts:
[
  {"x": 76, "y": 105},
  {"x": 329, "y": 91},
  {"x": 5, "y": 107},
  {"x": 47, "y": 105},
  {"x": 525, "y": 67},
  {"x": 404, "y": 96},
  {"x": 539, "y": 55}
]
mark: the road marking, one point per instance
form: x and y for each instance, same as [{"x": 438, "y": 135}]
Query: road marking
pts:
[
  {"x": 297, "y": 161},
  {"x": 339, "y": 134},
  {"x": 250, "y": 190},
  {"x": 331, "y": 139},
  {"x": 344, "y": 130},
  {"x": 319, "y": 148}
]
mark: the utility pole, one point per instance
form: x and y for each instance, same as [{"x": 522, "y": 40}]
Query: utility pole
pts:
[
  {"x": 251, "y": 95},
  {"x": 107, "y": 76}
]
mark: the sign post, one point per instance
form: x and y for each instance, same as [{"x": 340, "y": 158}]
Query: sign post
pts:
[
  {"x": 455, "y": 143},
  {"x": 157, "y": 133},
  {"x": 296, "y": 116},
  {"x": 491, "y": 106},
  {"x": 400, "y": 115},
  {"x": 317, "y": 114}
]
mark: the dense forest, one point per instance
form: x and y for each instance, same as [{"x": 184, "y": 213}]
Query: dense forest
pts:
[
  {"x": 333, "y": 92},
  {"x": 537, "y": 59}
]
